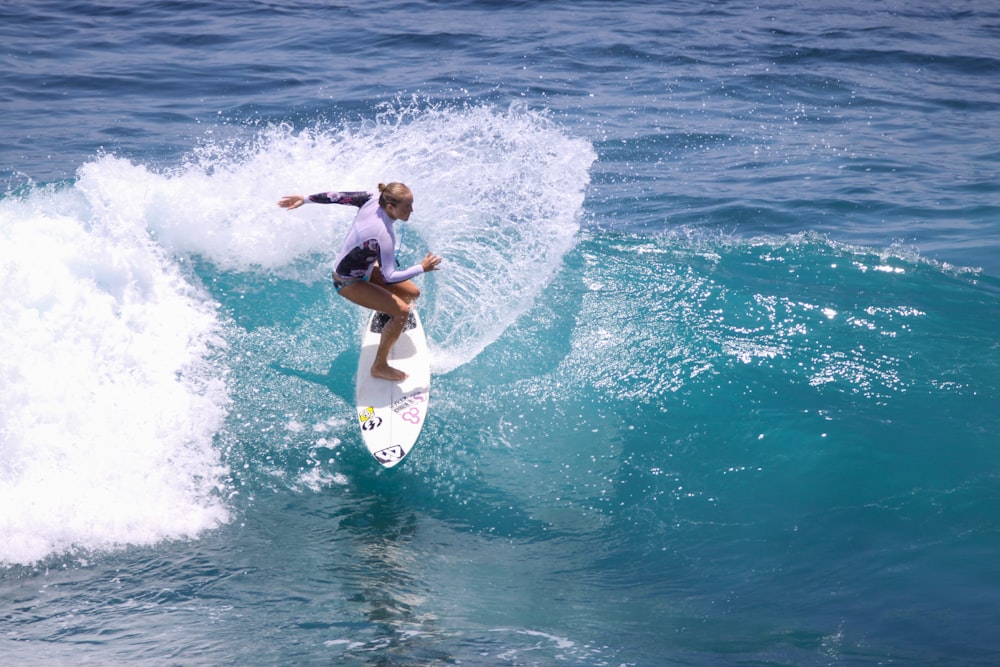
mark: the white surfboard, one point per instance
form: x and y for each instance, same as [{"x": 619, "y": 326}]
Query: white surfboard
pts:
[{"x": 391, "y": 414}]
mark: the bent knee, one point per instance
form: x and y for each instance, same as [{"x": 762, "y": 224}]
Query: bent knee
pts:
[{"x": 403, "y": 308}]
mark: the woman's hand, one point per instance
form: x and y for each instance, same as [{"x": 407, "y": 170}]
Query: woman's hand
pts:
[
  {"x": 430, "y": 262},
  {"x": 291, "y": 201}
]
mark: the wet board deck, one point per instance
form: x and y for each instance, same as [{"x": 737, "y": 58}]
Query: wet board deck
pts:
[{"x": 391, "y": 414}]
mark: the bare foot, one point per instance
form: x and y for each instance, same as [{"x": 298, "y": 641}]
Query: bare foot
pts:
[{"x": 387, "y": 372}]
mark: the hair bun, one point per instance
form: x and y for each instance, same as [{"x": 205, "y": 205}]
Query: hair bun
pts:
[{"x": 392, "y": 193}]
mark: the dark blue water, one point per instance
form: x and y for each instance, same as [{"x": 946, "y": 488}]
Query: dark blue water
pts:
[{"x": 715, "y": 363}]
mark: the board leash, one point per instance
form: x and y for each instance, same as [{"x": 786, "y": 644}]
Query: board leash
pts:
[{"x": 399, "y": 246}]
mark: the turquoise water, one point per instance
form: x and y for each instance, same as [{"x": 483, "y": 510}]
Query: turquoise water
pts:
[{"x": 715, "y": 359}]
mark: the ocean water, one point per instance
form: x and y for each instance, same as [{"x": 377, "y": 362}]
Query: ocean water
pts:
[{"x": 716, "y": 363}]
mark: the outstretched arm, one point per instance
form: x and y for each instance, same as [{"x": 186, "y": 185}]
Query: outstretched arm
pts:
[{"x": 353, "y": 198}]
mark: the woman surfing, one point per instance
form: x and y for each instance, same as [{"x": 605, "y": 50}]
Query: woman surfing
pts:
[{"x": 365, "y": 271}]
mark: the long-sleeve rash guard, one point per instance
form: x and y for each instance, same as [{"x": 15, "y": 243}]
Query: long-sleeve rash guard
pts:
[{"x": 370, "y": 239}]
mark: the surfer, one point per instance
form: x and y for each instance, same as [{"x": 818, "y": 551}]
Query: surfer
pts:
[{"x": 365, "y": 271}]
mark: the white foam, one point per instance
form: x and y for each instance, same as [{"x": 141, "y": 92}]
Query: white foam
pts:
[{"x": 107, "y": 408}]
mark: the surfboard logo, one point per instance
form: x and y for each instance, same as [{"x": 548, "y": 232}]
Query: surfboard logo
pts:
[
  {"x": 390, "y": 454},
  {"x": 408, "y": 401},
  {"x": 368, "y": 419}
]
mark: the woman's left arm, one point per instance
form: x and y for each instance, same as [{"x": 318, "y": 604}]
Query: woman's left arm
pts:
[{"x": 387, "y": 262}]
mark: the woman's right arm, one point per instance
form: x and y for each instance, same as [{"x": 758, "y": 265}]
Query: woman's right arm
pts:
[{"x": 353, "y": 198}]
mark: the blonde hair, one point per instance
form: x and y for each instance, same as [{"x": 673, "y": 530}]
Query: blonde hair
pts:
[{"x": 393, "y": 193}]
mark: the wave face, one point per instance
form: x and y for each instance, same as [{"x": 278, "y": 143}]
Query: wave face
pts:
[{"x": 119, "y": 346}]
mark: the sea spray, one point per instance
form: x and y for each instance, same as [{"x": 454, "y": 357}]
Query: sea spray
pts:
[
  {"x": 110, "y": 394},
  {"x": 498, "y": 193}
]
